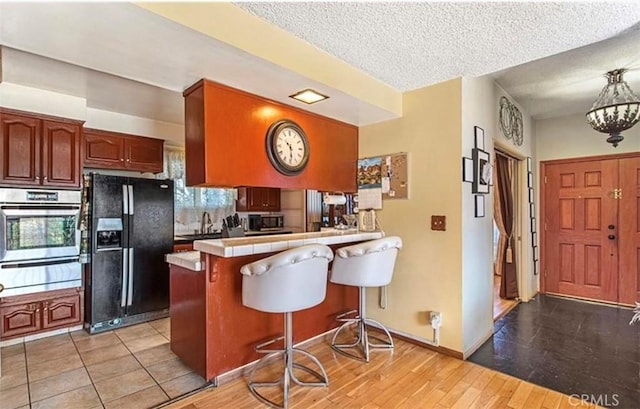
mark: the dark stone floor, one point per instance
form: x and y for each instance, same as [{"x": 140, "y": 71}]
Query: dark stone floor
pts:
[{"x": 569, "y": 346}]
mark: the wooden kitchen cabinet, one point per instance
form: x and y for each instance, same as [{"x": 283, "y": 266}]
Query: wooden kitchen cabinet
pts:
[
  {"x": 225, "y": 142},
  {"x": 20, "y": 319},
  {"x": 112, "y": 150},
  {"x": 32, "y": 313},
  {"x": 38, "y": 150},
  {"x": 179, "y": 248},
  {"x": 258, "y": 199},
  {"x": 62, "y": 311}
]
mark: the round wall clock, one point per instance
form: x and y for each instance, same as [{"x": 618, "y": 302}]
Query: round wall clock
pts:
[{"x": 287, "y": 147}]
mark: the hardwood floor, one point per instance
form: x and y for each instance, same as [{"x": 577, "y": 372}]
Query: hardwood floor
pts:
[
  {"x": 410, "y": 377},
  {"x": 501, "y": 306}
]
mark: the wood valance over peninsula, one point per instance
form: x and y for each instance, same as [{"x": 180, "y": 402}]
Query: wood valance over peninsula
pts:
[
  {"x": 211, "y": 331},
  {"x": 225, "y": 143}
]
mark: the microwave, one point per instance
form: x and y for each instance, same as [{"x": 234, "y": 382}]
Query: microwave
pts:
[{"x": 264, "y": 222}]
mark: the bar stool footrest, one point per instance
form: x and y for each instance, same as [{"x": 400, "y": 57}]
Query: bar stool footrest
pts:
[
  {"x": 362, "y": 343},
  {"x": 287, "y": 376}
]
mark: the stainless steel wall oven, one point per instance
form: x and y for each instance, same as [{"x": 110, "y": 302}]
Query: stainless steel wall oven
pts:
[{"x": 39, "y": 240}]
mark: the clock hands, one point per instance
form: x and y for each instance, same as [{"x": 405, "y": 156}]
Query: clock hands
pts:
[{"x": 290, "y": 152}]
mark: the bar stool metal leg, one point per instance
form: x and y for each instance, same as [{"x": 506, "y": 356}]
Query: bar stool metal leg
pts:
[
  {"x": 362, "y": 344},
  {"x": 289, "y": 364}
]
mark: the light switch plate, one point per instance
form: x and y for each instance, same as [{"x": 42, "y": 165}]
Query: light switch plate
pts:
[{"x": 438, "y": 223}]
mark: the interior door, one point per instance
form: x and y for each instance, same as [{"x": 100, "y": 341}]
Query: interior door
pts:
[
  {"x": 580, "y": 238},
  {"x": 628, "y": 230}
]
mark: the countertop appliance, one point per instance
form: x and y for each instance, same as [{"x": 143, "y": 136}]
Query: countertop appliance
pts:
[
  {"x": 39, "y": 240},
  {"x": 127, "y": 280},
  {"x": 266, "y": 222}
]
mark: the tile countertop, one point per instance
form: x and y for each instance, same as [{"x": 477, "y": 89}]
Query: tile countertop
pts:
[
  {"x": 187, "y": 259},
  {"x": 243, "y": 246}
]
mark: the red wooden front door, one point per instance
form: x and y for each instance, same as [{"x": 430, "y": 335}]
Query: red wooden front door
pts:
[
  {"x": 592, "y": 229},
  {"x": 629, "y": 230}
]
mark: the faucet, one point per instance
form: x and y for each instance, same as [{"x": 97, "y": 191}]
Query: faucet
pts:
[{"x": 205, "y": 223}]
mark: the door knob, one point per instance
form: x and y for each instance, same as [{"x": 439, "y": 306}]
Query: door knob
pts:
[
  {"x": 611, "y": 237},
  {"x": 1, "y": 288},
  {"x": 611, "y": 227}
]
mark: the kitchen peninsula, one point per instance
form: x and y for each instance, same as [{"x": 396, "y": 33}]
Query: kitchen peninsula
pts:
[{"x": 211, "y": 331}]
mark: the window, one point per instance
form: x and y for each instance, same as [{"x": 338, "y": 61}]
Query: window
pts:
[{"x": 191, "y": 202}]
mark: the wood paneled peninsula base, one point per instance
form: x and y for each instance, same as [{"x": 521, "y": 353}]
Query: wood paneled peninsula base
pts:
[{"x": 211, "y": 331}]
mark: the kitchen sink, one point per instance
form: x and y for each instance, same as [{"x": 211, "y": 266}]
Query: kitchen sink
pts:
[{"x": 200, "y": 236}]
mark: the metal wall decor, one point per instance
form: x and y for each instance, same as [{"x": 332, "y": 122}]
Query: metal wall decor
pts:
[{"x": 511, "y": 121}]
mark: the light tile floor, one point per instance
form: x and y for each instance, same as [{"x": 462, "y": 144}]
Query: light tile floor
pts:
[{"x": 131, "y": 367}]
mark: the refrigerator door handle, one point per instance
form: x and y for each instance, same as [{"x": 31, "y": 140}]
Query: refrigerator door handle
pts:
[
  {"x": 130, "y": 187},
  {"x": 125, "y": 200},
  {"x": 130, "y": 295},
  {"x": 125, "y": 276}
]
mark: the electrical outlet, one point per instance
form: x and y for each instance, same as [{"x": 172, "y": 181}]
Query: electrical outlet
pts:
[
  {"x": 435, "y": 319},
  {"x": 439, "y": 223}
]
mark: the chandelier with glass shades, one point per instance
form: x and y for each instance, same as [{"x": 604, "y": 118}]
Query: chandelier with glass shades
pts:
[{"x": 616, "y": 109}]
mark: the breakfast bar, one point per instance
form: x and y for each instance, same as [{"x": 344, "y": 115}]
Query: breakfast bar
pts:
[{"x": 211, "y": 331}]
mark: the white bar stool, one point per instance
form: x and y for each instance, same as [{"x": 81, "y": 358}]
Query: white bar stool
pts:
[
  {"x": 290, "y": 281},
  {"x": 368, "y": 264}
]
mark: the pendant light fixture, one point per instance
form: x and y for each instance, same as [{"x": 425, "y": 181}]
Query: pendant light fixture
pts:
[{"x": 616, "y": 109}]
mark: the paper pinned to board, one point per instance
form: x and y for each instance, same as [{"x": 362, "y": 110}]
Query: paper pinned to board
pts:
[
  {"x": 370, "y": 198},
  {"x": 386, "y": 185},
  {"x": 388, "y": 172}
]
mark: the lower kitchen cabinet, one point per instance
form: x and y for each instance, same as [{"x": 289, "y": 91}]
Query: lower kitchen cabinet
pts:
[
  {"x": 28, "y": 314},
  {"x": 178, "y": 248}
]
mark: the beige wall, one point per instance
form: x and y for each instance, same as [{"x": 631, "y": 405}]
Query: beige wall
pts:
[
  {"x": 427, "y": 275},
  {"x": 528, "y": 283},
  {"x": 572, "y": 136},
  {"x": 292, "y": 206},
  {"x": 451, "y": 271},
  {"x": 478, "y": 109},
  {"x": 42, "y": 101},
  {"x": 52, "y": 103}
]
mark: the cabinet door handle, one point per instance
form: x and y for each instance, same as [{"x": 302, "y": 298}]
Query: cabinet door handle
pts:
[
  {"x": 45, "y": 178},
  {"x": 37, "y": 177},
  {"x": 121, "y": 159}
]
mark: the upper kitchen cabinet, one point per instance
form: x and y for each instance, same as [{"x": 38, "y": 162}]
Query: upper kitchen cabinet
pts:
[
  {"x": 258, "y": 199},
  {"x": 111, "y": 150},
  {"x": 38, "y": 150},
  {"x": 225, "y": 143}
]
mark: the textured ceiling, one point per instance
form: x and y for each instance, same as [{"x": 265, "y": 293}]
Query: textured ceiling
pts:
[
  {"x": 411, "y": 45},
  {"x": 570, "y": 82},
  {"x": 549, "y": 56}
]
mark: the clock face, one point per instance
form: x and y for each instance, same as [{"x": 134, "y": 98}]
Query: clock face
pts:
[
  {"x": 287, "y": 147},
  {"x": 290, "y": 146}
]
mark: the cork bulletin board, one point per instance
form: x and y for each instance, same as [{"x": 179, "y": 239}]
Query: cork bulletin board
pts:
[{"x": 393, "y": 175}]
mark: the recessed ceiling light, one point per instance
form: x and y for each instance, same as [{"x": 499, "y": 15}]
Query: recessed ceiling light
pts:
[{"x": 308, "y": 96}]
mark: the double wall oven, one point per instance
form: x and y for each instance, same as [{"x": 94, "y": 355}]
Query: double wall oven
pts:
[{"x": 39, "y": 240}]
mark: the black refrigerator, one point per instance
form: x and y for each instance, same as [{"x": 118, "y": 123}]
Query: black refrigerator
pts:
[{"x": 127, "y": 280}]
